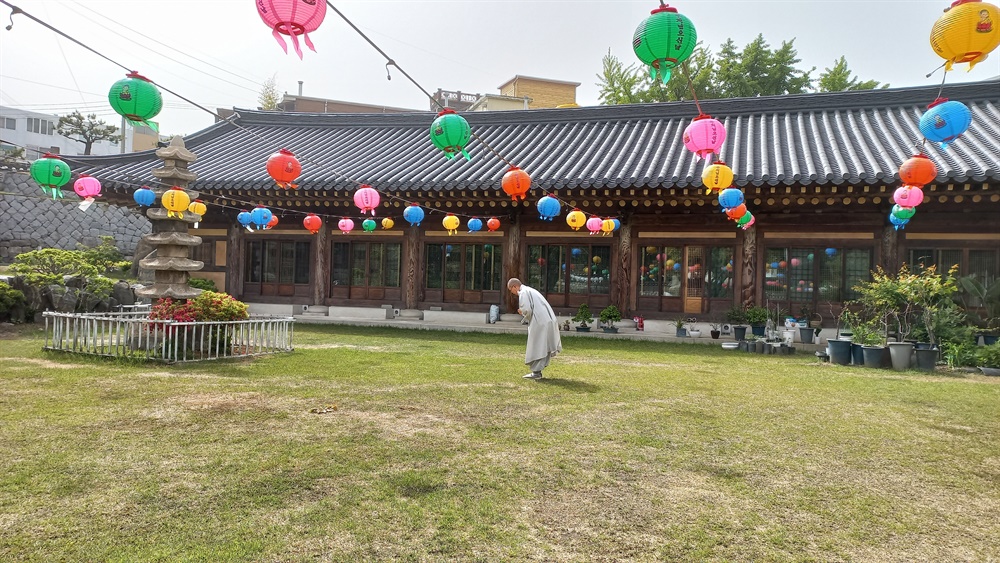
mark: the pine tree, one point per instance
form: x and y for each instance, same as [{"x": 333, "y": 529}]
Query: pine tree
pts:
[{"x": 87, "y": 130}]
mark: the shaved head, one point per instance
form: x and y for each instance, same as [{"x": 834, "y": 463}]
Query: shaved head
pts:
[{"x": 513, "y": 282}]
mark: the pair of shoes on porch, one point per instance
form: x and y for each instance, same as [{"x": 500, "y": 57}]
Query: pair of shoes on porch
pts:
[{"x": 533, "y": 375}]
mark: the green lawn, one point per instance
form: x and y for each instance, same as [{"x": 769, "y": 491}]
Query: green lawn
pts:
[{"x": 382, "y": 444}]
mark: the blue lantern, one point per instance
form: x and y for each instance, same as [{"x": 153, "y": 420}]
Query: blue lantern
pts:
[
  {"x": 831, "y": 252},
  {"x": 945, "y": 121},
  {"x": 144, "y": 196},
  {"x": 897, "y": 222},
  {"x": 475, "y": 224},
  {"x": 548, "y": 207},
  {"x": 260, "y": 216},
  {"x": 576, "y": 251},
  {"x": 413, "y": 214},
  {"x": 244, "y": 218},
  {"x": 618, "y": 224},
  {"x": 677, "y": 266},
  {"x": 730, "y": 197}
]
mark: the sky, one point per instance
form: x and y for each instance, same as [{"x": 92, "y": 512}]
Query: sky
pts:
[{"x": 218, "y": 53}]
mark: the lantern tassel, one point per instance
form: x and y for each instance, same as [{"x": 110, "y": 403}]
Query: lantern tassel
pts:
[
  {"x": 277, "y": 37},
  {"x": 465, "y": 153},
  {"x": 309, "y": 43},
  {"x": 295, "y": 44},
  {"x": 86, "y": 203}
]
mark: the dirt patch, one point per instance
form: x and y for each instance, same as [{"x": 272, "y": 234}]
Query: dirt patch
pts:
[
  {"x": 223, "y": 402},
  {"x": 41, "y": 363},
  {"x": 333, "y": 346},
  {"x": 409, "y": 422}
]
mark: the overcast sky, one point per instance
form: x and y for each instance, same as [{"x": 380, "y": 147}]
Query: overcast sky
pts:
[{"x": 220, "y": 52}]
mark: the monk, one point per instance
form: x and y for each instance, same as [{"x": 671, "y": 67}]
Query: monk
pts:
[{"x": 543, "y": 328}]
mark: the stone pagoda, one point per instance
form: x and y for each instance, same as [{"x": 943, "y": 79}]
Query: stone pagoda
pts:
[{"x": 172, "y": 264}]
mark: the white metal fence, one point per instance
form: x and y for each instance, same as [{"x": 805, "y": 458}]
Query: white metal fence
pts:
[{"x": 132, "y": 334}]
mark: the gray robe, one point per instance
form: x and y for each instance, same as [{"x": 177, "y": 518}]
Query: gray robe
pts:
[{"x": 543, "y": 327}]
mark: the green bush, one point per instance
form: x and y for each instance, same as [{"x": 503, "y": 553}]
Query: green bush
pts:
[
  {"x": 202, "y": 283},
  {"x": 989, "y": 356},
  {"x": 736, "y": 315},
  {"x": 610, "y": 315},
  {"x": 959, "y": 354},
  {"x": 583, "y": 315},
  {"x": 757, "y": 315},
  {"x": 105, "y": 257},
  {"x": 10, "y": 299},
  {"x": 49, "y": 265}
]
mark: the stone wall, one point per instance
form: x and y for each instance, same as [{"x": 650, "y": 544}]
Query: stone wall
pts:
[{"x": 33, "y": 222}]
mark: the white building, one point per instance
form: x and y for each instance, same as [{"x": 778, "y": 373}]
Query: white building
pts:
[{"x": 36, "y": 132}]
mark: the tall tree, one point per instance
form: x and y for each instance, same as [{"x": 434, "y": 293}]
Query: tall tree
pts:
[
  {"x": 839, "y": 79},
  {"x": 268, "y": 97},
  {"x": 87, "y": 130},
  {"x": 619, "y": 84}
]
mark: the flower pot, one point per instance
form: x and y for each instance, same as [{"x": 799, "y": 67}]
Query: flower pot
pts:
[
  {"x": 682, "y": 333},
  {"x": 740, "y": 332},
  {"x": 857, "y": 354},
  {"x": 990, "y": 339},
  {"x": 583, "y": 329},
  {"x": 743, "y": 345},
  {"x": 715, "y": 334},
  {"x": 757, "y": 330},
  {"x": 872, "y": 356},
  {"x": 840, "y": 351},
  {"x": 927, "y": 359},
  {"x": 611, "y": 329},
  {"x": 900, "y": 353},
  {"x": 759, "y": 347},
  {"x": 806, "y": 335},
  {"x": 694, "y": 333},
  {"x": 990, "y": 371}
]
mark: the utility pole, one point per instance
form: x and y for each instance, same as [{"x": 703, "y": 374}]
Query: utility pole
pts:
[{"x": 123, "y": 135}]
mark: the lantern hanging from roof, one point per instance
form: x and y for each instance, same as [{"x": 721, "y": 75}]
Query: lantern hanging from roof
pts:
[
  {"x": 746, "y": 221},
  {"x": 664, "y": 40},
  {"x": 260, "y": 217},
  {"x": 900, "y": 212},
  {"x": 136, "y": 99},
  {"x": 199, "y": 208},
  {"x": 284, "y": 168},
  {"x": 493, "y": 224},
  {"x": 618, "y": 224},
  {"x": 735, "y": 213},
  {"x": 345, "y": 225},
  {"x": 908, "y": 196},
  {"x": 292, "y": 18},
  {"x": 272, "y": 223},
  {"x": 450, "y": 132},
  {"x": 576, "y": 219},
  {"x": 607, "y": 227},
  {"x": 704, "y": 136},
  {"x": 175, "y": 201},
  {"x": 897, "y": 222},
  {"x": 51, "y": 174},
  {"x": 388, "y": 223},
  {"x": 414, "y": 214},
  {"x": 368, "y": 225},
  {"x": 475, "y": 225},
  {"x": 88, "y": 187},
  {"x": 967, "y": 32},
  {"x": 516, "y": 183},
  {"x": 717, "y": 176},
  {"x": 548, "y": 207},
  {"x": 944, "y": 121},
  {"x": 730, "y": 197},
  {"x": 594, "y": 225},
  {"x": 366, "y": 198},
  {"x": 244, "y": 219},
  {"x": 312, "y": 223},
  {"x": 144, "y": 196},
  {"x": 450, "y": 223},
  {"x": 918, "y": 170}
]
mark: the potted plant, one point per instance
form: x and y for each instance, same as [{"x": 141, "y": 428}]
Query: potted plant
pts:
[
  {"x": 738, "y": 318},
  {"x": 872, "y": 343},
  {"x": 757, "y": 317},
  {"x": 609, "y": 316},
  {"x": 839, "y": 348},
  {"x": 680, "y": 325},
  {"x": 989, "y": 359},
  {"x": 715, "y": 332},
  {"x": 983, "y": 295},
  {"x": 583, "y": 317},
  {"x": 694, "y": 332}
]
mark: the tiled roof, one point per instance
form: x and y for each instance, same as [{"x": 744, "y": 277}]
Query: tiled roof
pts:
[{"x": 809, "y": 139}]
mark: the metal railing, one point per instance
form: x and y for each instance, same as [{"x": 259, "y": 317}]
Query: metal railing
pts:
[{"x": 132, "y": 334}]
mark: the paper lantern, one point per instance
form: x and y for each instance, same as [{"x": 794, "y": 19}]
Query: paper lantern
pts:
[
  {"x": 516, "y": 183},
  {"x": 451, "y": 223},
  {"x": 284, "y": 168},
  {"x": 414, "y": 214},
  {"x": 144, "y": 196},
  {"x": 345, "y": 225},
  {"x": 663, "y": 41},
  {"x": 908, "y": 196},
  {"x": 368, "y": 225},
  {"x": 136, "y": 99},
  {"x": 199, "y": 208},
  {"x": 900, "y": 212},
  {"x": 594, "y": 225},
  {"x": 898, "y": 223},
  {"x": 51, "y": 174},
  {"x": 607, "y": 227},
  {"x": 796, "y": 262},
  {"x": 88, "y": 187},
  {"x": 704, "y": 136},
  {"x": 388, "y": 223},
  {"x": 475, "y": 225},
  {"x": 292, "y": 18},
  {"x": 548, "y": 207},
  {"x": 730, "y": 197},
  {"x": 831, "y": 252},
  {"x": 493, "y": 224},
  {"x": 244, "y": 218},
  {"x": 945, "y": 121},
  {"x": 746, "y": 221},
  {"x": 918, "y": 171},
  {"x": 272, "y": 223},
  {"x": 576, "y": 219},
  {"x": 312, "y": 223},
  {"x": 618, "y": 224},
  {"x": 450, "y": 132},
  {"x": 717, "y": 176},
  {"x": 966, "y": 33},
  {"x": 735, "y": 213},
  {"x": 175, "y": 201},
  {"x": 260, "y": 217},
  {"x": 367, "y": 199}
]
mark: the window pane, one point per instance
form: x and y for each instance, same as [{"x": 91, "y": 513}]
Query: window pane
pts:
[
  {"x": 600, "y": 270},
  {"x": 948, "y": 259},
  {"x": 392, "y": 264},
  {"x": 536, "y": 267},
  {"x": 287, "y": 268},
  {"x": 650, "y": 271},
  {"x": 720, "y": 273},
  {"x": 473, "y": 267},
  {"x": 555, "y": 269},
  {"x": 671, "y": 265},
  {"x": 375, "y": 273},
  {"x": 270, "y": 268},
  {"x": 695, "y": 272},
  {"x": 359, "y": 264},
  {"x": 341, "y": 264},
  {"x": 435, "y": 266},
  {"x": 776, "y": 274},
  {"x": 801, "y": 275},
  {"x": 983, "y": 264},
  {"x": 921, "y": 259},
  {"x": 859, "y": 267},
  {"x": 302, "y": 262},
  {"x": 453, "y": 266},
  {"x": 579, "y": 268},
  {"x": 493, "y": 258},
  {"x": 254, "y": 261},
  {"x": 831, "y": 275}
]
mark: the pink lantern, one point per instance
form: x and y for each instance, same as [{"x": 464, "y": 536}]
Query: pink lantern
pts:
[
  {"x": 345, "y": 225},
  {"x": 796, "y": 262},
  {"x": 594, "y": 225},
  {"x": 908, "y": 196},
  {"x": 294, "y": 18},
  {"x": 87, "y": 187},
  {"x": 749, "y": 223},
  {"x": 704, "y": 136},
  {"x": 366, "y": 198}
]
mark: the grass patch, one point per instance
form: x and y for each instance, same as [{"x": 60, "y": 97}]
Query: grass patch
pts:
[{"x": 384, "y": 444}]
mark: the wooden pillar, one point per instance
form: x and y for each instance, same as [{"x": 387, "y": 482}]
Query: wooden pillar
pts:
[
  {"x": 235, "y": 256},
  {"x": 889, "y": 259},
  {"x": 412, "y": 250},
  {"x": 622, "y": 297},
  {"x": 512, "y": 263},
  {"x": 321, "y": 271},
  {"x": 748, "y": 295}
]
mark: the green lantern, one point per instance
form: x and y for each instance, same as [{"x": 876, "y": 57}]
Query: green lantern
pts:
[
  {"x": 664, "y": 40},
  {"x": 136, "y": 99},
  {"x": 368, "y": 225},
  {"x": 51, "y": 173},
  {"x": 450, "y": 132}
]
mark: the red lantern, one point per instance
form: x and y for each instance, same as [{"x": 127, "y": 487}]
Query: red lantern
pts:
[
  {"x": 312, "y": 223},
  {"x": 366, "y": 198},
  {"x": 493, "y": 224},
  {"x": 272, "y": 223},
  {"x": 284, "y": 168},
  {"x": 516, "y": 183},
  {"x": 918, "y": 171},
  {"x": 735, "y": 213},
  {"x": 293, "y": 18}
]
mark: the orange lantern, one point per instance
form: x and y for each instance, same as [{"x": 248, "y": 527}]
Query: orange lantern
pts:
[
  {"x": 967, "y": 32},
  {"x": 312, "y": 223},
  {"x": 516, "y": 183},
  {"x": 918, "y": 171},
  {"x": 735, "y": 213},
  {"x": 272, "y": 223},
  {"x": 493, "y": 224}
]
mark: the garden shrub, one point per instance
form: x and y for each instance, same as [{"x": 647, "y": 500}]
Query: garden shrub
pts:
[
  {"x": 105, "y": 257},
  {"x": 10, "y": 300},
  {"x": 208, "y": 307},
  {"x": 49, "y": 266},
  {"x": 202, "y": 283},
  {"x": 989, "y": 356}
]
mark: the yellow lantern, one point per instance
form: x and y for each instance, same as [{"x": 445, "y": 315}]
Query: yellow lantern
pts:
[
  {"x": 717, "y": 176},
  {"x": 176, "y": 201},
  {"x": 576, "y": 219},
  {"x": 198, "y": 208},
  {"x": 607, "y": 227},
  {"x": 388, "y": 223},
  {"x": 966, "y": 33},
  {"x": 450, "y": 223}
]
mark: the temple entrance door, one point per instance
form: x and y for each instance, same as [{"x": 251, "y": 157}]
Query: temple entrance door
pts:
[{"x": 694, "y": 279}]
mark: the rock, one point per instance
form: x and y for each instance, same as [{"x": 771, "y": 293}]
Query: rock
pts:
[
  {"x": 78, "y": 282},
  {"x": 122, "y": 293},
  {"x": 69, "y": 300}
]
